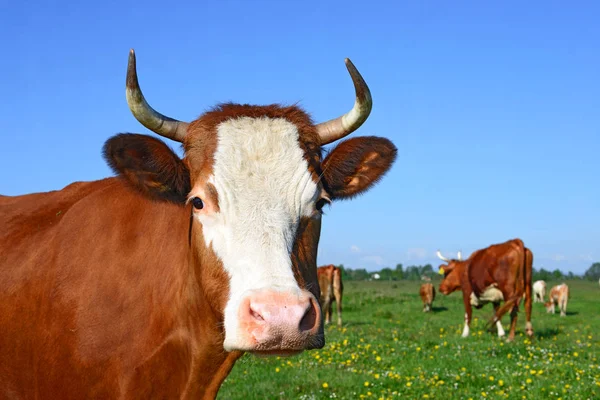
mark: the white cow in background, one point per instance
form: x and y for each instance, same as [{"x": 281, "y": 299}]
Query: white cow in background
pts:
[{"x": 539, "y": 291}]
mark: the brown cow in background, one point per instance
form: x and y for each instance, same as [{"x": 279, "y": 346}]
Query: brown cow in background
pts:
[
  {"x": 427, "y": 293},
  {"x": 332, "y": 288},
  {"x": 558, "y": 295},
  {"x": 498, "y": 273}
]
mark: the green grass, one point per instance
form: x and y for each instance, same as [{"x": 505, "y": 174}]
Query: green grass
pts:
[{"x": 389, "y": 348}]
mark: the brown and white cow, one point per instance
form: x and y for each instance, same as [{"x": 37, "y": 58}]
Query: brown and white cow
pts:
[
  {"x": 498, "y": 273},
  {"x": 427, "y": 293},
  {"x": 332, "y": 289},
  {"x": 559, "y": 295},
  {"x": 539, "y": 291},
  {"x": 153, "y": 283}
]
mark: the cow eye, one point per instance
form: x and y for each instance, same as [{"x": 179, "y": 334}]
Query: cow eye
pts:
[
  {"x": 321, "y": 203},
  {"x": 197, "y": 203}
]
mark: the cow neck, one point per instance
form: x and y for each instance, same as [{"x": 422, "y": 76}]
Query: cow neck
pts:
[{"x": 211, "y": 363}]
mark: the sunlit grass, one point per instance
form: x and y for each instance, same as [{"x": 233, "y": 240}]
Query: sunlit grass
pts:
[{"x": 389, "y": 348}]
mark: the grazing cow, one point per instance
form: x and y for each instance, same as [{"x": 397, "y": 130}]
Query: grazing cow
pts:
[
  {"x": 332, "y": 289},
  {"x": 501, "y": 272},
  {"x": 153, "y": 283},
  {"x": 558, "y": 295},
  {"x": 427, "y": 293},
  {"x": 539, "y": 291}
]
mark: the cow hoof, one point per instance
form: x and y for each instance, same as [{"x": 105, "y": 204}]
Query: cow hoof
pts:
[{"x": 529, "y": 332}]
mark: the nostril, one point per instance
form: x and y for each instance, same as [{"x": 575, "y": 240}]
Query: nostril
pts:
[
  {"x": 256, "y": 315},
  {"x": 310, "y": 318}
]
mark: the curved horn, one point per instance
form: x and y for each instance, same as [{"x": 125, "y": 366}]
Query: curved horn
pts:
[
  {"x": 335, "y": 129},
  {"x": 441, "y": 257},
  {"x": 150, "y": 118}
]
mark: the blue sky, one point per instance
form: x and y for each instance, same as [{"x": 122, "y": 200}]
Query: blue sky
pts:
[{"x": 494, "y": 108}]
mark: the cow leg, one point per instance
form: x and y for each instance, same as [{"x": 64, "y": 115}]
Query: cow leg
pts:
[
  {"x": 327, "y": 309},
  {"x": 499, "y": 327},
  {"x": 330, "y": 311},
  {"x": 563, "y": 306},
  {"x": 468, "y": 311},
  {"x": 338, "y": 300},
  {"x": 528, "y": 326},
  {"x": 513, "y": 319},
  {"x": 513, "y": 323},
  {"x": 513, "y": 303}
]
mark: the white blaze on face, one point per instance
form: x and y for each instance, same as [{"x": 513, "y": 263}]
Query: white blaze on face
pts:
[{"x": 264, "y": 187}]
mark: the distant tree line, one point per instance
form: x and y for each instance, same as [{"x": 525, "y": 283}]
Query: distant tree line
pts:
[
  {"x": 415, "y": 272},
  {"x": 412, "y": 272}
]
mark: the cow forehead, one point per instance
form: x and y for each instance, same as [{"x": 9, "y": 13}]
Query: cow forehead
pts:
[
  {"x": 204, "y": 134},
  {"x": 260, "y": 161}
]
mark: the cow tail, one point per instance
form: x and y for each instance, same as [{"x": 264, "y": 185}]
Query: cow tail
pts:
[{"x": 527, "y": 276}]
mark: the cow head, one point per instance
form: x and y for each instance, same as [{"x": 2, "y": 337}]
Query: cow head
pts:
[
  {"x": 452, "y": 271},
  {"x": 255, "y": 182}
]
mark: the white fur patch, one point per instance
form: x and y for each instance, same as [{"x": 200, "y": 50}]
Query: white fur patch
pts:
[
  {"x": 500, "y": 329},
  {"x": 264, "y": 188},
  {"x": 465, "y": 331},
  {"x": 490, "y": 295}
]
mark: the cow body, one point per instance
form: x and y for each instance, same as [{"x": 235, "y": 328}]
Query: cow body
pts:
[
  {"x": 539, "y": 291},
  {"x": 427, "y": 293},
  {"x": 153, "y": 283},
  {"x": 85, "y": 324},
  {"x": 496, "y": 274},
  {"x": 332, "y": 290},
  {"x": 559, "y": 295}
]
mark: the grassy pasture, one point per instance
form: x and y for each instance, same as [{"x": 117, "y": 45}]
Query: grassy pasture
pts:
[{"x": 389, "y": 348}]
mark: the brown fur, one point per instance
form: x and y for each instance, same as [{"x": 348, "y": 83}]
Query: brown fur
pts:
[
  {"x": 149, "y": 165},
  {"x": 427, "y": 293},
  {"x": 332, "y": 289},
  {"x": 356, "y": 163},
  {"x": 508, "y": 266},
  {"x": 559, "y": 295},
  {"x": 107, "y": 289}
]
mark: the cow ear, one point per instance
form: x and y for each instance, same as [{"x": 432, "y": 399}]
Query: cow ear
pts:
[
  {"x": 149, "y": 165},
  {"x": 446, "y": 269},
  {"x": 356, "y": 164}
]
